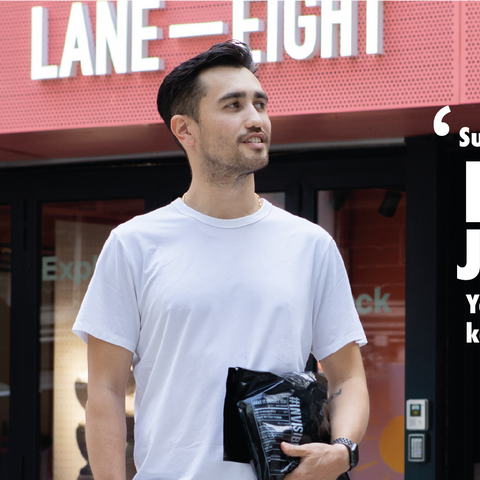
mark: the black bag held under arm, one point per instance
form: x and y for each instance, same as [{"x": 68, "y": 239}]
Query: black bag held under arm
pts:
[{"x": 263, "y": 409}]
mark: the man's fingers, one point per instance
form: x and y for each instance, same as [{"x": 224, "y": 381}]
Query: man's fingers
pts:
[{"x": 293, "y": 450}]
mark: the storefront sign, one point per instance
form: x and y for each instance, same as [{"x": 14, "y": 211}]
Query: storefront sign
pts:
[
  {"x": 53, "y": 270},
  {"x": 123, "y": 34},
  {"x": 377, "y": 303}
]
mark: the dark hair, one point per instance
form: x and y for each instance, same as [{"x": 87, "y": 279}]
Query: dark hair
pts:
[{"x": 181, "y": 90}]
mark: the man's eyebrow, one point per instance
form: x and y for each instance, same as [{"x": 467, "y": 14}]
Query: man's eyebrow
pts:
[{"x": 243, "y": 94}]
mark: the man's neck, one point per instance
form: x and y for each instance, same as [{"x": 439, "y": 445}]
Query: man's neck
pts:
[{"x": 224, "y": 201}]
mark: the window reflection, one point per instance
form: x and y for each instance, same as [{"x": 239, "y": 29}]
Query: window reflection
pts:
[
  {"x": 73, "y": 234},
  {"x": 369, "y": 228}
]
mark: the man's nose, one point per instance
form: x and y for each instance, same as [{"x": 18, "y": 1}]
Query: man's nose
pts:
[{"x": 253, "y": 118}]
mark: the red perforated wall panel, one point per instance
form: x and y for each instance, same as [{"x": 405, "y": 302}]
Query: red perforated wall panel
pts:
[
  {"x": 470, "y": 91},
  {"x": 430, "y": 58}
]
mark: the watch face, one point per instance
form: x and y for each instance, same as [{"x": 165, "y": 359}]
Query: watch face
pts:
[{"x": 353, "y": 455}]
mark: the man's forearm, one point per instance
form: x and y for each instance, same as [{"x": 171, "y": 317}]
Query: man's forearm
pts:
[
  {"x": 106, "y": 435},
  {"x": 349, "y": 409}
]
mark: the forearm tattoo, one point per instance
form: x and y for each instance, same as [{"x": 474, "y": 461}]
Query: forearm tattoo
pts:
[{"x": 335, "y": 395}]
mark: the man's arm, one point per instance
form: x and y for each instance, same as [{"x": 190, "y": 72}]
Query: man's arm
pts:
[
  {"x": 349, "y": 411},
  {"x": 108, "y": 371}
]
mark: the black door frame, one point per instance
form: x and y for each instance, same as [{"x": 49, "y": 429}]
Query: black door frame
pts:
[{"x": 26, "y": 190}]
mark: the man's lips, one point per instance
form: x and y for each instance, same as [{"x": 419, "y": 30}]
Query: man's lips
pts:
[{"x": 255, "y": 139}]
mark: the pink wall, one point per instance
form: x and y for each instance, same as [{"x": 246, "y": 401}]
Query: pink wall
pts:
[{"x": 430, "y": 58}]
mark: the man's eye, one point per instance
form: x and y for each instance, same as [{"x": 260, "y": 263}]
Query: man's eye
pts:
[
  {"x": 232, "y": 105},
  {"x": 261, "y": 105}
]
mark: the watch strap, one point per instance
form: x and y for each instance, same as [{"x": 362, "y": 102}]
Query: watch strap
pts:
[{"x": 352, "y": 448}]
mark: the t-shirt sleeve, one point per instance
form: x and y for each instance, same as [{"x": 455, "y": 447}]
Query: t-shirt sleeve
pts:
[
  {"x": 109, "y": 310},
  {"x": 336, "y": 321}
]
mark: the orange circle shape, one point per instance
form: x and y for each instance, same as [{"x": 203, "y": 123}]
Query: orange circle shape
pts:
[{"x": 392, "y": 443}]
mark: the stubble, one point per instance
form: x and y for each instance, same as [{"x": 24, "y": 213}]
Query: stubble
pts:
[{"x": 225, "y": 166}]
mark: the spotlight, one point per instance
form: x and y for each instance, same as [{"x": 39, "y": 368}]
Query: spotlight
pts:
[{"x": 390, "y": 203}]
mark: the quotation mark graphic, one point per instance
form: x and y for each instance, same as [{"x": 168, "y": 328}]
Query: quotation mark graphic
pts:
[{"x": 439, "y": 127}]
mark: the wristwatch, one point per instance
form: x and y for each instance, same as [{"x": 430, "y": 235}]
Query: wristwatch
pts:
[{"x": 352, "y": 448}]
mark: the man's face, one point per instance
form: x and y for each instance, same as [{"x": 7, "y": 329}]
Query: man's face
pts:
[{"x": 234, "y": 128}]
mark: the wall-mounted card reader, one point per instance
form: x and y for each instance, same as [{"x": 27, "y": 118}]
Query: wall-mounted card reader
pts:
[
  {"x": 417, "y": 414},
  {"x": 416, "y": 447}
]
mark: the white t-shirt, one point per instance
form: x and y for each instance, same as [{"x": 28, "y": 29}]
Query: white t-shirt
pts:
[{"x": 192, "y": 295}]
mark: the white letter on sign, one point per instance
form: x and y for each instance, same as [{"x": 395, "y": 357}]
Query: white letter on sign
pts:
[
  {"x": 142, "y": 33},
  {"x": 78, "y": 43},
  {"x": 293, "y": 22},
  {"x": 275, "y": 31},
  {"x": 374, "y": 27},
  {"x": 242, "y": 26},
  {"x": 40, "y": 69},
  {"x": 332, "y": 18},
  {"x": 113, "y": 44}
]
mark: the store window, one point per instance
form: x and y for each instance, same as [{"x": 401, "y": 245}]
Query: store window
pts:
[
  {"x": 369, "y": 228},
  {"x": 73, "y": 234},
  {"x": 5, "y": 288}
]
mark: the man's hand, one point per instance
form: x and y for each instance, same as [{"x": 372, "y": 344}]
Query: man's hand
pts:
[
  {"x": 317, "y": 460},
  {"x": 348, "y": 409}
]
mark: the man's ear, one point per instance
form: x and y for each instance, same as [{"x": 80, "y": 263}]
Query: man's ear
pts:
[{"x": 181, "y": 128}]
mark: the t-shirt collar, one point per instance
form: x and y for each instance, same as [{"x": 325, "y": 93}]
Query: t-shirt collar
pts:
[{"x": 183, "y": 208}]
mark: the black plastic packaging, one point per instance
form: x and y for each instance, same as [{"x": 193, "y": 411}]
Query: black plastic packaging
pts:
[{"x": 262, "y": 409}]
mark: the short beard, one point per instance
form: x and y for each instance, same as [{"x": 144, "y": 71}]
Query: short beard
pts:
[{"x": 234, "y": 172}]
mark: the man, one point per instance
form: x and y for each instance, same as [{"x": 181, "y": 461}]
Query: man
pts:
[{"x": 219, "y": 278}]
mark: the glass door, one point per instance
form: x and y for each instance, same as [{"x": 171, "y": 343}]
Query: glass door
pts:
[
  {"x": 369, "y": 228},
  {"x": 73, "y": 234}
]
